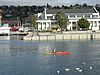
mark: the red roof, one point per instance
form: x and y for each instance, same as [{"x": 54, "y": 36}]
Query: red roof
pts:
[{"x": 10, "y": 21}]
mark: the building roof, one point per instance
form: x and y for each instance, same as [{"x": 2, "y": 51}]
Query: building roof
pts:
[
  {"x": 10, "y": 21},
  {"x": 98, "y": 5},
  {"x": 73, "y": 10}
]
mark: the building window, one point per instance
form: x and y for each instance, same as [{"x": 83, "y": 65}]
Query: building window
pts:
[
  {"x": 91, "y": 22},
  {"x": 44, "y": 23},
  {"x": 52, "y": 23},
  {"x": 95, "y": 23},
  {"x": 95, "y": 16},
  {"x": 49, "y": 17},
  {"x": 72, "y": 16},
  {"x": 40, "y": 23},
  {"x": 99, "y": 22},
  {"x": 41, "y": 27},
  {"x": 79, "y": 16},
  {"x": 56, "y": 23},
  {"x": 87, "y": 16},
  {"x": 69, "y": 22},
  {"x": 74, "y": 23},
  {"x": 91, "y": 25}
]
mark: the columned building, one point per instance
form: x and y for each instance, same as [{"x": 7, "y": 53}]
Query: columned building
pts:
[{"x": 47, "y": 18}]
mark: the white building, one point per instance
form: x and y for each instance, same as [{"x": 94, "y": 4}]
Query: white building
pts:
[
  {"x": 5, "y": 29},
  {"x": 47, "y": 18}
]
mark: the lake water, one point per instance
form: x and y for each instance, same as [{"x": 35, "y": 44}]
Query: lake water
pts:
[{"x": 18, "y": 57}]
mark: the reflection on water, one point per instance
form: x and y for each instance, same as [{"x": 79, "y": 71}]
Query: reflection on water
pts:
[
  {"x": 18, "y": 57},
  {"x": 4, "y": 48},
  {"x": 4, "y": 37}
]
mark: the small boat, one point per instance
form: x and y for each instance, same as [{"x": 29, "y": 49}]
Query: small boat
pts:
[{"x": 57, "y": 53}]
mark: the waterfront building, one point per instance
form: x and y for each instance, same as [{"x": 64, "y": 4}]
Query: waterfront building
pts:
[
  {"x": 47, "y": 18},
  {"x": 98, "y": 5}
]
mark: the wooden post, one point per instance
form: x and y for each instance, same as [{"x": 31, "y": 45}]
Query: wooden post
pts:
[
  {"x": 39, "y": 38},
  {"x": 55, "y": 37},
  {"x": 94, "y": 37},
  {"x": 91, "y": 37},
  {"x": 79, "y": 37},
  {"x": 87, "y": 37},
  {"x": 70, "y": 37},
  {"x": 47, "y": 37},
  {"x": 63, "y": 37}
]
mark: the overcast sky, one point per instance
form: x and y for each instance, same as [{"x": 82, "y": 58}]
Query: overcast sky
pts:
[{"x": 51, "y": 2}]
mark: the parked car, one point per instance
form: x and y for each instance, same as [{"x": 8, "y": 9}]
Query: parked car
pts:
[
  {"x": 14, "y": 29},
  {"x": 25, "y": 29}
]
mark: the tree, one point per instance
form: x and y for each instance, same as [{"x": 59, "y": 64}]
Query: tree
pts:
[
  {"x": 61, "y": 19},
  {"x": 85, "y": 5},
  {"x": 76, "y": 5},
  {"x": 83, "y": 23},
  {"x": 33, "y": 22},
  {"x": 49, "y": 6}
]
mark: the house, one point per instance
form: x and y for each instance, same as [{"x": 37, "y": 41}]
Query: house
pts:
[
  {"x": 47, "y": 18},
  {"x": 98, "y": 5}
]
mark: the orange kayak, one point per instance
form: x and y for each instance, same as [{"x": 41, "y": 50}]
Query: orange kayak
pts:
[{"x": 57, "y": 53}]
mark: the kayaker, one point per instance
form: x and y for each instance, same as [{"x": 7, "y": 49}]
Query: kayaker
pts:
[{"x": 54, "y": 51}]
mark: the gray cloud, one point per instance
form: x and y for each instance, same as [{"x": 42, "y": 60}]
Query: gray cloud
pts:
[{"x": 44, "y": 2}]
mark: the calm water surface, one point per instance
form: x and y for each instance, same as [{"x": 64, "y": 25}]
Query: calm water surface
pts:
[{"x": 18, "y": 57}]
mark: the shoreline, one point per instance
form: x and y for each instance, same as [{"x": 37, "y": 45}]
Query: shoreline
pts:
[
  {"x": 65, "y": 36},
  {"x": 46, "y": 36}
]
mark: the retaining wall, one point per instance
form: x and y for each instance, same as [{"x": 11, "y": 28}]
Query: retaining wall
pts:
[{"x": 64, "y": 37}]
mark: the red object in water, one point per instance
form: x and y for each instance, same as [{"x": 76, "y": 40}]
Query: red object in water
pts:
[{"x": 58, "y": 53}]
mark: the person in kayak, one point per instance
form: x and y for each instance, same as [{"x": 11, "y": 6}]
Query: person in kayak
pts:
[{"x": 54, "y": 51}]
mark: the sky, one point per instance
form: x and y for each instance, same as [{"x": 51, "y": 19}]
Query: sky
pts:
[{"x": 44, "y": 2}]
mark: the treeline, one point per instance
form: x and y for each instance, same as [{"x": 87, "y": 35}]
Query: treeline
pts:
[{"x": 14, "y": 12}]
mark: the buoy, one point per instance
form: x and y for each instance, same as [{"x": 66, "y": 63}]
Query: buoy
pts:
[
  {"x": 80, "y": 70},
  {"x": 66, "y": 69},
  {"x": 77, "y": 68},
  {"x": 91, "y": 67},
  {"x": 58, "y": 71},
  {"x": 84, "y": 63}
]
